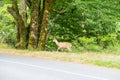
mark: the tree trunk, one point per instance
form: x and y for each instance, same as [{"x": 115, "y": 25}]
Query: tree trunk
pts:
[
  {"x": 43, "y": 32},
  {"x": 34, "y": 24},
  {"x": 21, "y": 30},
  {"x": 23, "y": 12}
]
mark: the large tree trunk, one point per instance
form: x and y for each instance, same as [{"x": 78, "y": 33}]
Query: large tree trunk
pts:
[
  {"x": 21, "y": 30},
  {"x": 44, "y": 28},
  {"x": 34, "y": 24}
]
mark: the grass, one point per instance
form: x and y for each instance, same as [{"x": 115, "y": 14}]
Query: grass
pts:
[{"x": 104, "y": 59}]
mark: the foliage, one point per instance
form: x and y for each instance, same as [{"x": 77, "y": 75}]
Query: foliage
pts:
[
  {"x": 86, "y": 41},
  {"x": 110, "y": 39},
  {"x": 7, "y": 29},
  {"x": 87, "y": 23}
]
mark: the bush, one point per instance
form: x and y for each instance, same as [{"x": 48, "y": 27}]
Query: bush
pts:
[
  {"x": 108, "y": 40},
  {"x": 84, "y": 41},
  {"x": 93, "y": 47}
]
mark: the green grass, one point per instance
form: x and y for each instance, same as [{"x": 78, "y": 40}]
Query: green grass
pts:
[
  {"x": 5, "y": 46},
  {"x": 104, "y": 59},
  {"x": 111, "y": 64}
]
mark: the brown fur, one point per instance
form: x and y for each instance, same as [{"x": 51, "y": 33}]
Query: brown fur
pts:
[{"x": 61, "y": 45}]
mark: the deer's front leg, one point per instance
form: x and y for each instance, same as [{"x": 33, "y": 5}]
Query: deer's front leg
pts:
[{"x": 58, "y": 49}]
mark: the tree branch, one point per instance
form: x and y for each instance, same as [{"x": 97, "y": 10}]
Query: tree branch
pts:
[
  {"x": 12, "y": 12},
  {"x": 14, "y": 9},
  {"x": 28, "y": 2},
  {"x": 59, "y": 12}
]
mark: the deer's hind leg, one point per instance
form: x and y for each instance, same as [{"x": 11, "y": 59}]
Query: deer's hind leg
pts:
[{"x": 69, "y": 49}]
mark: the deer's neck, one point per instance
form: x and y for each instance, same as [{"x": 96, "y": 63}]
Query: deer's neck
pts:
[{"x": 57, "y": 43}]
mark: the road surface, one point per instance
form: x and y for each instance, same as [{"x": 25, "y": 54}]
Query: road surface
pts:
[{"x": 25, "y": 68}]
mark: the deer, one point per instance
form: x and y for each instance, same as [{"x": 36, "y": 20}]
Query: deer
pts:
[{"x": 61, "y": 45}]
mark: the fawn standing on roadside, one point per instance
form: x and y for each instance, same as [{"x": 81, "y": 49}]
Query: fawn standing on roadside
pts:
[{"x": 61, "y": 45}]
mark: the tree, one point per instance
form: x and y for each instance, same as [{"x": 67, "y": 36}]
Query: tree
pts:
[
  {"x": 33, "y": 34},
  {"x": 20, "y": 26}
]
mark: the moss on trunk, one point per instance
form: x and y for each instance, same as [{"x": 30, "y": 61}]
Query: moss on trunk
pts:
[
  {"x": 21, "y": 29},
  {"x": 44, "y": 25},
  {"x": 34, "y": 24}
]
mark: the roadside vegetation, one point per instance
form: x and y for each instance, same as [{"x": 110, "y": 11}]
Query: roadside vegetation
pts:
[
  {"x": 92, "y": 27},
  {"x": 106, "y": 58}
]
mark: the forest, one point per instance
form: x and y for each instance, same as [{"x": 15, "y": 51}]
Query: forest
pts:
[{"x": 92, "y": 25}]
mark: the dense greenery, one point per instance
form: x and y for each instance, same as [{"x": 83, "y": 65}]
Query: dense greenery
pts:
[
  {"x": 90, "y": 24},
  {"x": 7, "y": 26},
  {"x": 87, "y": 24}
]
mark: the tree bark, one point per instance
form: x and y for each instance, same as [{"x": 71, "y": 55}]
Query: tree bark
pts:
[
  {"x": 28, "y": 2},
  {"x": 21, "y": 30},
  {"x": 23, "y": 12},
  {"x": 44, "y": 28},
  {"x": 34, "y": 24}
]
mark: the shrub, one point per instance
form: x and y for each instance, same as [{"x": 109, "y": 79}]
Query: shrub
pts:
[
  {"x": 108, "y": 40},
  {"x": 84, "y": 41}
]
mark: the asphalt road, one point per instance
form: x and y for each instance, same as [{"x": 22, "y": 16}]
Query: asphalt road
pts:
[{"x": 26, "y": 68}]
